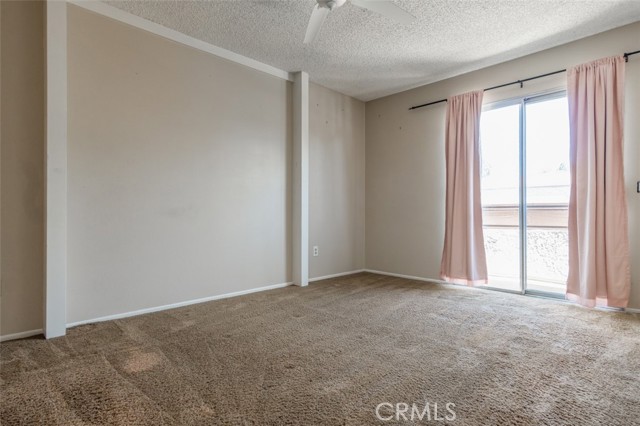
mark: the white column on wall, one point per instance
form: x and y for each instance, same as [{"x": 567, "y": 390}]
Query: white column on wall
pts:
[
  {"x": 56, "y": 170},
  {"x": 300, "y": 198}
]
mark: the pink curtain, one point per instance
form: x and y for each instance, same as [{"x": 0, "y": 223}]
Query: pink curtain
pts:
[
  {"x": 598, "y": 239},
  {"x": 463, "y": 258}
]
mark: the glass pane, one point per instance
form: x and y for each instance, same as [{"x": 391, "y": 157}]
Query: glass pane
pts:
[
  {"x": 499, "y": 141},
  {"x": 548, "y": 185}
]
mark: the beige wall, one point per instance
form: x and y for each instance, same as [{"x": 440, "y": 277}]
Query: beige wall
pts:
[
  {"x": 179, "y": 172},
  {"x": 336, "y": 182},
  {"x": 22, "y": 166},
  {"x": 405, "y": 169}
]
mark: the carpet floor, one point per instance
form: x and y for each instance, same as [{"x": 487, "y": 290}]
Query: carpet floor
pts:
[{"x": 330, "y": 354}]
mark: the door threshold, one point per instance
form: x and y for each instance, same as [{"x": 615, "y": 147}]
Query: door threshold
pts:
[
  {"x": 533, "y": 293},
  {"x": 545, "y": 294}
]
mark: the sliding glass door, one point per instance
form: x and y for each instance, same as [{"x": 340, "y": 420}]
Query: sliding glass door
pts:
[
  {"x": 525, "y": 193},
  {"x": 547, "y": 193},
  {"x": 500, "y": 183}
]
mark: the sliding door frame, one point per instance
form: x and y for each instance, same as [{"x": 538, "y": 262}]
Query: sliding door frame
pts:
[
  {"x": 532, "y": 99},
  {"x": 519, "y": 101},
  {"x": 522, "y": 102}
]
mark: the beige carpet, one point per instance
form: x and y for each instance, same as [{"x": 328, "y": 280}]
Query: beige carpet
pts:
[{"x": 329, "y": 354}]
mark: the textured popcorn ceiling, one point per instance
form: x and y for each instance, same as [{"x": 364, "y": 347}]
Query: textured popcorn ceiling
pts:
[{"x": 367, "y": 56}]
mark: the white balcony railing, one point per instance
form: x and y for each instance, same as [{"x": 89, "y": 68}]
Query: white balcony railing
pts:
[{"x": 547, "y": 244}]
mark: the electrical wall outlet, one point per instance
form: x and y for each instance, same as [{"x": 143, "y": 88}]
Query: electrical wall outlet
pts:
[{"x": 316, "y": 251}]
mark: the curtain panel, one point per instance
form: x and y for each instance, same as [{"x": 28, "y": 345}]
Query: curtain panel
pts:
[
  {"x": 463, "y": 257},
  {"x": 599, "y": 272}
]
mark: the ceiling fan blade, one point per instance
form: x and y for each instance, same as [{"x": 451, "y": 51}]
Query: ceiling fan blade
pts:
[
  {"x": 386, "y": 8},
  {"x": 315, "y": 22}
]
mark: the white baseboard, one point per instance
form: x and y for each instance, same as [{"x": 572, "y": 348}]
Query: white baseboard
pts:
[
  {"x": 176, "y": 305},
  {"x": 340, "y": 274},
  {"x": 31, "y": 333},
  {"x": 21, "y": 335},
  {"x": 409, "y": 277}
]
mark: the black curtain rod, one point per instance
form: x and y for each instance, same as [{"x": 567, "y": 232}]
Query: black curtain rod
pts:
[{"x": 520, "y": 82}]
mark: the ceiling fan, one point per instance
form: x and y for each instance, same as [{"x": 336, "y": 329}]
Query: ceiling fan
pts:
[{"x": 383, "y": 7}]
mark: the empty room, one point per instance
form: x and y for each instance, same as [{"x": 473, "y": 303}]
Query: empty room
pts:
[{"x": 320, "y": 212}]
